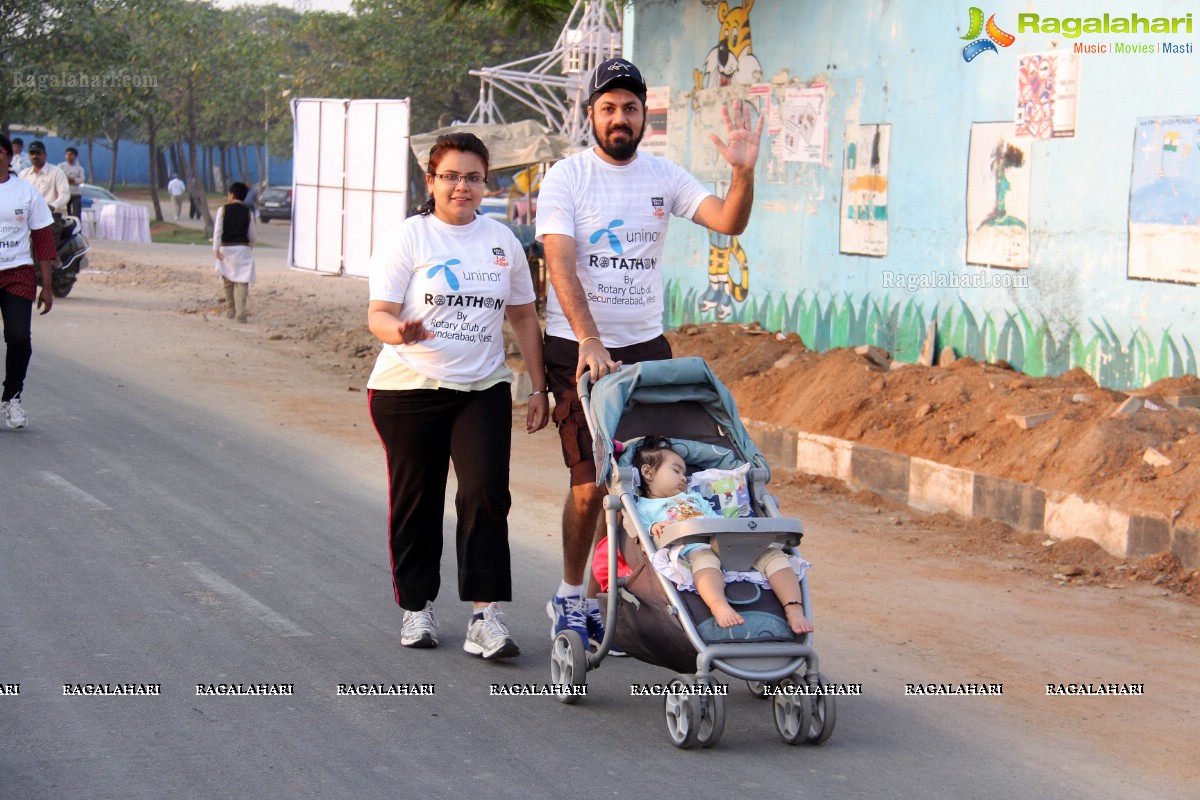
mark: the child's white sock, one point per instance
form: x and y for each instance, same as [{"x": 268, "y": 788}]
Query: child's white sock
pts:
[
  {"x": 593, "y": 604},
  {"x": 567, "y": 590}
]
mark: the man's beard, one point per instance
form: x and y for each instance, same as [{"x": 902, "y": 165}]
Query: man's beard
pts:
[{"x": 618, "y": 152}]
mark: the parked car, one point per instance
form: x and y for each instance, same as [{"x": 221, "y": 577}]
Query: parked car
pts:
[
  {"x": 92, "y": 196},
  {"x": 275, "y": 203}
]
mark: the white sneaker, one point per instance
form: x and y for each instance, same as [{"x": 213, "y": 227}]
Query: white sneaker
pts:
[
  {"x": 419, "y": 628},
  {"x": 488, "y": 636},
  {"x": 14, "y": 415}
]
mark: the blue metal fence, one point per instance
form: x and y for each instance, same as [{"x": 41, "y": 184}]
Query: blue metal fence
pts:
[{"x": 133, "y": 161}]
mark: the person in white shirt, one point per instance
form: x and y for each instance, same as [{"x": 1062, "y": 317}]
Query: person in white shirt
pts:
[
  {"x": 25, "y": 240},
  {"x": 442, "y": 284},
  {"x": 176, "y": 188},
  {"x": 47, "y": 178},
  {"x": 20, "y": 161},
  {"x": 76, "y": 177},
  {"x": 602, "y": 217}
]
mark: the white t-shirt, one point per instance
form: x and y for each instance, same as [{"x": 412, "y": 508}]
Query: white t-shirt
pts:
[
  {"x": 457, "y": 279},
  {"x": 22, "y": 209},
  {"x": 618, "y": 217}
]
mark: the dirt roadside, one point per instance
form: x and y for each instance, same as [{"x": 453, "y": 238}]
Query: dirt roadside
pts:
[{"x": 958, "y": 600}]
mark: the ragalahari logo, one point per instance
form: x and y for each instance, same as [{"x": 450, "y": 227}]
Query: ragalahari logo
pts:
[{"x": 995, "y": 36}]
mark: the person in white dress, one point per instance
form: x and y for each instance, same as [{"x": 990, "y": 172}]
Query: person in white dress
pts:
[{"x": 233, "y": 251}]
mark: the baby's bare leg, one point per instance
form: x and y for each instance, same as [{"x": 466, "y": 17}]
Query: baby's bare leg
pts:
[
  {"x": 786, "y": 587},
  {"x": 710, "y": 585}
]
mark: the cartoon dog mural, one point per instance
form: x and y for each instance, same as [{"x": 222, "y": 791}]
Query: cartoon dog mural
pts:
[{"x": 731, "y": 62}]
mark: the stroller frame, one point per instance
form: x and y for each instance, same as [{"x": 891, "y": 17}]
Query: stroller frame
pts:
[{"x": 788, "y": 671}]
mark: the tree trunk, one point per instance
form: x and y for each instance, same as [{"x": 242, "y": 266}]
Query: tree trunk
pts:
[
  {"x": 194, "y": 184},
  {"x": 264, "y": 179},
  {"x": 164, "y": 171},
  {"x": 151, "y": 131},
  {"x": 112, "y": 171}
]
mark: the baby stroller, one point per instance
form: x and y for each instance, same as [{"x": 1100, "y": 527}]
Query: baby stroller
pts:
[{"x": 644, "y": 613}]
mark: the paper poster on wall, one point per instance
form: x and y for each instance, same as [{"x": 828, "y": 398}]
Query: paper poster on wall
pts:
[
  {"x": 804, "y": 122},
  {"x": 1164, "y": 200},
  {"x": 760, "y": 98},
  {"x": 1047, "y": 95},
  {"x": 998, "y": 167},
  {"x": 658, "y": 102},
  {"x": 864, "y": 227}
]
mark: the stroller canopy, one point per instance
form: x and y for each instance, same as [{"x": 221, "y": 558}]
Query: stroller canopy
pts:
[{"x": 665, "y": 383}]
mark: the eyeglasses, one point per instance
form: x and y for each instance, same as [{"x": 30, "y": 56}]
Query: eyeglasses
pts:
[{"x": 472, "y": 180}]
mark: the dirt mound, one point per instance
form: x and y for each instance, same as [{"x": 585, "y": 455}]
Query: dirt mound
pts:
[{"x": 1062, "y": 433}]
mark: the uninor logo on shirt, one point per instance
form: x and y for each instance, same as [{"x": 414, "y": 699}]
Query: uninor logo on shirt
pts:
[
  {"x": 451, "y": 278},
  {"x": 613, "y": 241}
]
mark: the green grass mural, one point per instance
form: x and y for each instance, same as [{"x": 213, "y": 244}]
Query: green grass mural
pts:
[{"x": 900, "y": 326}]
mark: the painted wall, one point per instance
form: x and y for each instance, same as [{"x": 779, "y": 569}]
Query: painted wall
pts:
[{"x": 885, "y": 62}]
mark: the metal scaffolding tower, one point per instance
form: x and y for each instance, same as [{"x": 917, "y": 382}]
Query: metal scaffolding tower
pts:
[{"x": 553, "y": 83}]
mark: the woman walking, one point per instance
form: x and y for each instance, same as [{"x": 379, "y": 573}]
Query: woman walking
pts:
[{"x": 441, "y": 285}]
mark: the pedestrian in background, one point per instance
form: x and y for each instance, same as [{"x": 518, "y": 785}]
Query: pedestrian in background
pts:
[
  {"x": 233, "y": 249},
  {"x": 20, "y": 161},
  {"x": 176, "y": 188},
  {"x": 76, "y": 177}
]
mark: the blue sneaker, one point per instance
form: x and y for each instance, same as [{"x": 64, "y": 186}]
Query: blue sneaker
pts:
[
  {"x": 595, "y": 626},
  {"x": 568, "y": 612}
]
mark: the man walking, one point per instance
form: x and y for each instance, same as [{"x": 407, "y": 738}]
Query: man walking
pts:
[
  {"x": 176, "y": 189},
  {"x": 76, "y": 177},
  {"x": 602, "y": 218}
]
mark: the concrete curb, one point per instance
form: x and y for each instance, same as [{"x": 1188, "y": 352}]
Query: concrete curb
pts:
[{"x": 933, "y": 487}]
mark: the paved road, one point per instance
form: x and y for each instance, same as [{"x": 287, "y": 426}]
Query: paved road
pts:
[{"x": 147, "y": 541}]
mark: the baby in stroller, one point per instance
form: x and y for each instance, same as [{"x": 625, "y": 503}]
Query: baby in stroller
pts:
[{"x": 665, "y": 499}]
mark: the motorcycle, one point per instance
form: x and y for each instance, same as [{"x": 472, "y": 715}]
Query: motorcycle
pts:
[{"x": 72, "y": 256}]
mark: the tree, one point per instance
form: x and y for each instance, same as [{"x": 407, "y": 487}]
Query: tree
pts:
[
  {"x": 29, "y": 40},
  {"x": 410, "y": 48}
]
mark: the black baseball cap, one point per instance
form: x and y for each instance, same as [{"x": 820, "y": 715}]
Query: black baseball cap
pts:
[
  {"x": 616, "y": 73},
  {"x": 36, "y": 146}
]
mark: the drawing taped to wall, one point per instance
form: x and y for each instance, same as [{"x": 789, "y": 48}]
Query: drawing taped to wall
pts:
[
  {"x": 998, "y": 168},
  {"x": 864, "y": 226},
  {"x": 804, "y": 117},
  {"x": 1047, "y": 90},
  {"x": 1164, "y": 200}
]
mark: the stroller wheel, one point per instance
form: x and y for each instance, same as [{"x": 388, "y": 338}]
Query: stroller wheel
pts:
[
  {"x": 568, "y": 664},
  {"x": 824, "y": 715},
  {"x": 712, "y": 718},
  {"x": 758, "y": 688},
  {"x": 682, "y": 711},
  {"x": 793, "y": 711}
]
